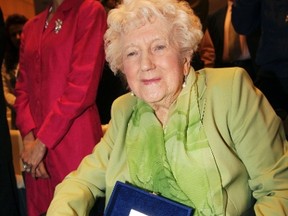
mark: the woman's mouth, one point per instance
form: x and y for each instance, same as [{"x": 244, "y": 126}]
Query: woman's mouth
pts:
[{"x": 150, "y": 81}]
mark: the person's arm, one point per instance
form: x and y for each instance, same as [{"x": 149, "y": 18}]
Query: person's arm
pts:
[
  {"x": 97, "y": 173},
  {"x": 81, "y": 188},
  {"x": 246, "y": 16},
  {"x": 82, "y": 82},
  {"x": 78, "y": 192},
  {"x": 261, "y": 145}
]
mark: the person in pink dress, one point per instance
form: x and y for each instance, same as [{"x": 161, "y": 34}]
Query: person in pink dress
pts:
[{"x": 61, "y": 62}]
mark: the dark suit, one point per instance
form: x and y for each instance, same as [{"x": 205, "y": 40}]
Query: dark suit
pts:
[
  {"x": 8, "y": 193},
  {"x": 215, "y": 25},
  {"x": 272, "y": 56}
]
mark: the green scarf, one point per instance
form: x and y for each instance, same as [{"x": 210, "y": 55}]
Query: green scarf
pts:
[{"x": 176, "y": 162}]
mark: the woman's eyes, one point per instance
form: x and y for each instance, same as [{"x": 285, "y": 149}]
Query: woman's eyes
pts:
[
  {"x": 159, "y": 47},
  {"x": 130, "y": 54},
  {"x": 154, "y": 50}
]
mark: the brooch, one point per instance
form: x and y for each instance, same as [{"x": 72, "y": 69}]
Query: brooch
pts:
[{"x": 58, "y": 25}]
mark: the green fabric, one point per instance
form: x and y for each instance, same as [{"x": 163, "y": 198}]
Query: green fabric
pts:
[{"x": 177, "y": 161}]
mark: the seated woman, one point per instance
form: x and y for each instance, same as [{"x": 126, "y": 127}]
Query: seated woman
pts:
[{"x": 208, "y": 139}]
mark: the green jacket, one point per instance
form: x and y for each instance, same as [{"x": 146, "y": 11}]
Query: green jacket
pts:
[{"x": 244, "y": 133}]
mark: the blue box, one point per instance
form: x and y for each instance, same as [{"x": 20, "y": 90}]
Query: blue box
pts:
[{"x": 127, "y": 200}]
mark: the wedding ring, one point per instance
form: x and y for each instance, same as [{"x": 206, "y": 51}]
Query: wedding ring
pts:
[{"x": 26, "y": 167}]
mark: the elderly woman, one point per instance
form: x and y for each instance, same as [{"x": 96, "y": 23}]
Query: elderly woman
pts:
[{"x": 207, "y": 139}]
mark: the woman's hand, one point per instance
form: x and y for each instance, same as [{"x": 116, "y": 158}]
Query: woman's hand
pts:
[
  {"x": 41, "y": 171},
  {"x": 32, "y": 154},
  {"x": 28, "y": 144}
]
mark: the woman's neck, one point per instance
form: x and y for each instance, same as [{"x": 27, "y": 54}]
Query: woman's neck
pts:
[
  {"x": 162, "y": 115},
  {"x": 56, "y": 4},
  {"x": 52, "y": 10}
]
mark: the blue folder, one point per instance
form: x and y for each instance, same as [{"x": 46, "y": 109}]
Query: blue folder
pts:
[{"x": 128, "y": 200}]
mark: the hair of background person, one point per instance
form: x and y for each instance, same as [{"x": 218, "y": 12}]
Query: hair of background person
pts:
[
  {"x": 12, "y": 52},
  {"x": 15, "y": 19}
]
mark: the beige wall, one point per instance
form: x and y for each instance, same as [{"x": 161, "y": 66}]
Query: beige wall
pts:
[{"x": 25, "y": 7}]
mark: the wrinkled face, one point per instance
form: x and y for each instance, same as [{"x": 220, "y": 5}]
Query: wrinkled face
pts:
[
  {"x": 15, "y": 34},
  {"x": 153, "y": 67}
]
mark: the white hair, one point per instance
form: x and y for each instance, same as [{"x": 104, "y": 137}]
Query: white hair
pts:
[{"x": 185, "y": 26}]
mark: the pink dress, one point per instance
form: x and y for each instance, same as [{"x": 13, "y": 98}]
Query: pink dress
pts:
[{"x": 60, "y": 68}]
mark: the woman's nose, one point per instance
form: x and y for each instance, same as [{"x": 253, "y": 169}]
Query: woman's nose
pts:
[{"x": 146, "y": 61}]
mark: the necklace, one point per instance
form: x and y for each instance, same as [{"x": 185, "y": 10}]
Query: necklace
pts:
[{"x": 47, "y": 22}]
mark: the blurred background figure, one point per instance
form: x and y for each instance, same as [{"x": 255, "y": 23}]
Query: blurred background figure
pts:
[
  {"x": 230, "y": 48},
  {"x": 61, "y": 62},
  {"x": 10, "y": 67},
  {"x": 271, "y": 18},
  {"x": 8, "y": 189}
]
